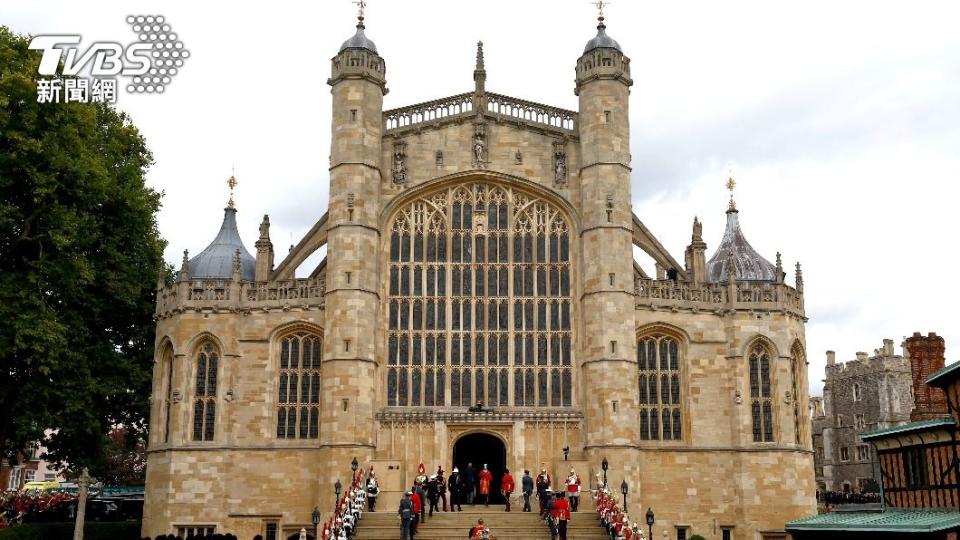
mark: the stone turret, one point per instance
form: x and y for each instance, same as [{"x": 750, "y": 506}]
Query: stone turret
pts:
[
  {"x": 264, "y": 251},
  {"x": 695, "y": 256},
  {"x": 609, "y": 352},
  {"x": 349, "y": 372}
]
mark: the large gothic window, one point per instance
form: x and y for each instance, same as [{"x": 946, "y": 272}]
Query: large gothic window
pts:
[
  {"x": 761, "y": 402},
  {"x": 658, "y": 358},
  {"x": 205, "y": 393},
  {"x": 298, "y": 397},
  {"x": 479, "y": 301}
]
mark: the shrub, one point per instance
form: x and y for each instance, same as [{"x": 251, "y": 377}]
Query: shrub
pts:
[{"x": 64, "y": 531}]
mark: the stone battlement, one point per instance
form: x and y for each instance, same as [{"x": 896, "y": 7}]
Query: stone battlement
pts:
[
  {"x": 674, "y": 295},
  {"x": 233, "y": 296},
  {"x": 883, "y": 359}
]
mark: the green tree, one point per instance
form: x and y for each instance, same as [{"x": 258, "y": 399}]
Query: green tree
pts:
[{"x": 79, "y": 259}]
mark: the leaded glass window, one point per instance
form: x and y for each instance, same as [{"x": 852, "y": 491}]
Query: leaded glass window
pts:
[
  {"x": 205, "y": 393},
  {"x": 298, "y": 395},
  {"x": 761, "y": 402},
  {"x": 479, "y": 301},
  {"x": 658, "y": 386}
]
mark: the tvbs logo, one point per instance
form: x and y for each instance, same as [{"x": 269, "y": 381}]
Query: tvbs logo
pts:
[{"x": 148, "y": 64}]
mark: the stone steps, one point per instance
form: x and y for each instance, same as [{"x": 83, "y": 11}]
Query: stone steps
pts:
[{"x": 514, "y": 525}]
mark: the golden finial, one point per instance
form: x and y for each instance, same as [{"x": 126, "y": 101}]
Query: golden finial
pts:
[
  {"x": 731, "y": 183},
  {"x": 361, "y": 5},
  {"x": 232, "y": 182},
  {"x": 600, "y": 5}
]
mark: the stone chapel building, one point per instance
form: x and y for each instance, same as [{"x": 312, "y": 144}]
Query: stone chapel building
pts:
[{"x": 479, "y": 249}]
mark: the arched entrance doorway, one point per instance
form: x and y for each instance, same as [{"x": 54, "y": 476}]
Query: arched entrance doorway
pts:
[{"x": 480, "y": 448}]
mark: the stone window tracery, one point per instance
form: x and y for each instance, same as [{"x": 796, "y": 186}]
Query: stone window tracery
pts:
[
  {"x": 761, "y": 402},
  {"x": 479, "y": 301},
  {"x": 205, "y": 392},
  {"x": 298, "y": 396},
  {"x": 658, "y": 359}
]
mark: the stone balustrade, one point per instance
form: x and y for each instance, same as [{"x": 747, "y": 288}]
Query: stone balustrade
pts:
[
  {"x": 743, "y": 295},
  {"x": 528, "y": 111},
  {"x": 453, "y": 107},
  {"x": 229, "y": 295},
  {"x": 498, "y": 106}
]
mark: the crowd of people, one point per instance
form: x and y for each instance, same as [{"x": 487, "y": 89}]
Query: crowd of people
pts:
[
  {"x": 613, "y": 519},
  {"x": 429, "y": 494}
]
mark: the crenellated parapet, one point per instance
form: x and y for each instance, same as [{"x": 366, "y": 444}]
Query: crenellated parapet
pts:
[
  {"x": 672, "y": 295},
  {"x": 228, "y": 296}
]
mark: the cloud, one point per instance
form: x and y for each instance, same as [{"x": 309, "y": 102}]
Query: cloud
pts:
[{"x": 840, "y": 121}]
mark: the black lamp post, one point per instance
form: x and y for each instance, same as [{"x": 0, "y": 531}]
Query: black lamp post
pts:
[
  {"x": 624, "y": 488},
  {"x": 650, "y": 522},
  {"x": 353, "y": 466},
  {"x": 604, "y": 465},
  {"x": 566, "y": 452},
  {"x": 336, "y": 489},
  {"x": 315, "y": 517}
]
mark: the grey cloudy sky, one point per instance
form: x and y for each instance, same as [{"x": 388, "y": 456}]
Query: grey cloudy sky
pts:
[{"x": 839, "y": 120}]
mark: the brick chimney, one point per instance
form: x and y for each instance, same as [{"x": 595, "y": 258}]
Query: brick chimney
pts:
[{"x": 926, "y": 358}]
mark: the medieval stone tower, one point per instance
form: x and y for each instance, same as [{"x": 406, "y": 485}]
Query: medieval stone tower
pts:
[{"x": 479, "y": 249}]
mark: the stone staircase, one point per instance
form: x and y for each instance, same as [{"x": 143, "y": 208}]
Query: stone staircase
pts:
[{"x": 383, "y": 525}]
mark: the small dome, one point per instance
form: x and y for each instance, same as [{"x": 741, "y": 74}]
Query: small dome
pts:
[
  {"x": 602, "y": 40},
  {"x": 216, "y": 261},
  {"x": 359, "y": 41},
  {"x": 748, "y": 264}
]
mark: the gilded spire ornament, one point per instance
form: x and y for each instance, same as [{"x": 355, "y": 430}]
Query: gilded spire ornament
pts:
[
  {"x": 232, "y": 182},
  {"x": 361, "y": 6},
  {"x": 600, "y": 5},
  {"x": 731, "y": 183}
]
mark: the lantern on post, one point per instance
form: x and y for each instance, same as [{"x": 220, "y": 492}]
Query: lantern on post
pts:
[
  {"x": 650, "y": 522},
  {"x": 604, "y": 465},
  {"x": 624, "y": 488}
]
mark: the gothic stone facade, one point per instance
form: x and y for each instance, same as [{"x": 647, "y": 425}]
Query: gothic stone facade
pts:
[{"x": 479, "y": 248}]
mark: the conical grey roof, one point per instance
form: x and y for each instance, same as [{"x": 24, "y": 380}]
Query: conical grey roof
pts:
[
  {"x": 216, "y": 261},
  {"x": 359, "y": 41},
  {"x": 602, "y": 40},
  {"x": 748, "y": 264}
]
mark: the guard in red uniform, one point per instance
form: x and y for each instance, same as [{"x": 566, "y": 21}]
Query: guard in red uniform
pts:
[
  {"x": 507, "y": 486},
  {"x": 560, "y": 511}
]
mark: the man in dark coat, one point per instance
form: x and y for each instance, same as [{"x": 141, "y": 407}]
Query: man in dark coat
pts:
[
  {"x": 526, "y": 487},
  {"x": 406, "y": 516},
  {"x": 455, "y": 485},
  {"x": 469, "y": 482}
]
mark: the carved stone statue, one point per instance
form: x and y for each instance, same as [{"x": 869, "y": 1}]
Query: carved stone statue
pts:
[
  {"x": 399, "y": 164},
  {"x": 559, "y": 163},
  {"x": 479, "y": 147}
]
